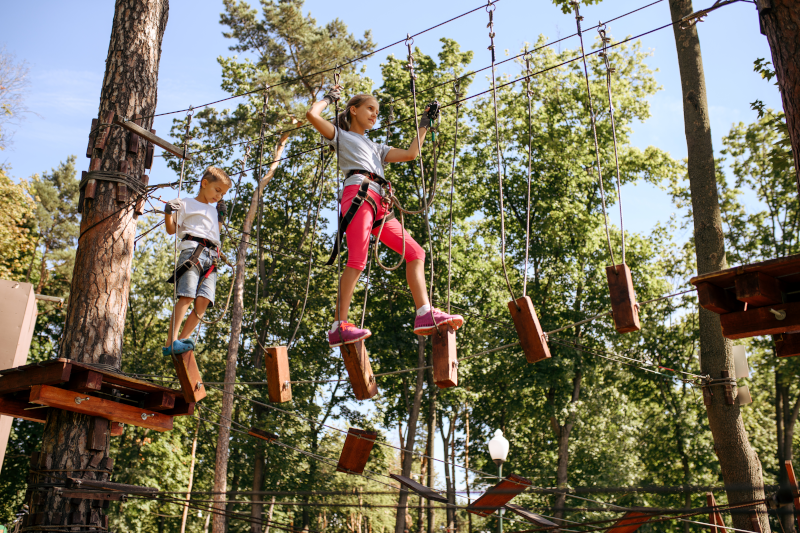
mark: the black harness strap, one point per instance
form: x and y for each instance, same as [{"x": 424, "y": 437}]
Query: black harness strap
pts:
[{"x": 194, "y": 259}]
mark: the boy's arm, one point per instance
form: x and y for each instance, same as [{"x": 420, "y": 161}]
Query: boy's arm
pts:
[{"x": 170, "y": 218}]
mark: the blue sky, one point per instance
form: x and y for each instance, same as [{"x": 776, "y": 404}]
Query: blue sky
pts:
[{"x": 66, "y": 43}]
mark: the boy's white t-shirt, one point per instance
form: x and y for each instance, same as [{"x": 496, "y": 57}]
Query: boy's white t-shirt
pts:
[{"x": 197, "y": 219}]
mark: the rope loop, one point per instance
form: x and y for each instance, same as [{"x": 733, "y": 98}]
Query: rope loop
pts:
[
  {"x": 490, "y": 7},
  {"x": 409, "y": 40}
]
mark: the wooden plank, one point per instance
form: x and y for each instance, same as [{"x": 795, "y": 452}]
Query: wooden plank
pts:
[
  {"x": 113, "y": 378},
  {"x": 717, "y": 299},
  {"x": 139, "y": 209},
  {"x": 499, "y": 495},
  {"x": 714, "y": 516},
  {"x": 90, "y": 495},
  {"x": 445, "y": 357},
  {"x": 630, "y": 522},
  {"x": 787, "y": 269},
  {"x": 19, "y": 409},
  {"x": 92, "y": 136},
  {"x": 530, "y": 333},
  {"x": 148, "y": 155},
  {"x": 261, "y": 434},
  {"x": 113, "y": 411},
  {"x": 795, "y": 489},
  {"x": 623, "y": 299},
  {"x": 85, "y": 380},
  {"x": 75, "y": 483},
  {"x": 422, "y": 490},
  {"x": 355, "y": 452},
  {"x": 47, "y": 374},
  {"x": 169, "y": 147},
  {"x": 787, "y": 344},
  {"x": 105, "y": 129},
  {"x": 97, "y": 438},
  {"x": 758, "y": 289},
  {"x": 760, "y": 321},
  {"x": 276, "y": 365},
  {"x": 159, "y": 401},
  {"x": 133, "y": 138},
  {"x": 189, "y": 376},
  {"x": 529, "y": 516},
  {"x": 356, "y": 361}
]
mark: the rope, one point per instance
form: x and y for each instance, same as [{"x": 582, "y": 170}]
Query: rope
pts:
[
  {"x": 530, "y": 164},
  {"x": 175, "y": 333},
  {"x": 259, "y": 261},
  {"x": 115, "y": 177},
  {"x": 456, "y": 90}
]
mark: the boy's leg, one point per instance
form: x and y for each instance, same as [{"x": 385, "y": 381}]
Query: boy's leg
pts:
[
  {"x": 178, "y": 313},
  {"x": 200, "y": 306}
]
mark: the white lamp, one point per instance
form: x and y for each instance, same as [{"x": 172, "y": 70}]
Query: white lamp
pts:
[{"x": 498, "y": 448}]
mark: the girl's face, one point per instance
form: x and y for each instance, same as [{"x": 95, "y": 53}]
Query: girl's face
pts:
[{"x": 366, "y": 114}]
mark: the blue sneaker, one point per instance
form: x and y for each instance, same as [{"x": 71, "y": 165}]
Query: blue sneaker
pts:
[
  {"x": 166, "y": 351},
  {"x": 182, "y": 345}
]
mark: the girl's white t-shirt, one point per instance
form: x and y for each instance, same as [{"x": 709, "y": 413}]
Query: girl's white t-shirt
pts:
[
  {"x": 199, "y": 220},
  {"x": 356, "y": 152}
]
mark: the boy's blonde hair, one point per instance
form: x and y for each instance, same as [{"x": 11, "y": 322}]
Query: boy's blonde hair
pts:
[{"x": 214, "y": 174}]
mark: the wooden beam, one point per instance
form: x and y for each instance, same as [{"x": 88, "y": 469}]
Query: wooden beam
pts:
[
  {"x": 787, "y": 344},
  {"x": 261, "y": 434},
  {"x": 94, "y": 406},
  {"x": 75, "y": 483},
  {"x": 758, "y": 289},
  {"x": 125, "y": 382},
  {"x": 159, "y": 401},
  {"x": 141, "y": 132},
  {"x": 529, "y": 516},
  {"x": 499, "y": 495},
  {"x": 422, "y": 490},
  {"x": 356, "y": 361},
  {"x": 760, "y": 321},
  {"x": 276, "y": 366},
  {"x": 90, "y": 495},
  {"x": 47, "y": 374},
  {"x": 630, "y": 522},
  {"x": 182, "y": 408},
  {"x": 530, "y": 333},
  {"x": 714, "y": 516},
  {"x": 445, "y": 357},
  {"x": 18, "y": 409},
  {"x": 717, "y": 299},
  {"x": 623, "y": 299},
  {"x": 355, "y": 452},
  {"x": 85, "y": 381},
  {"x": 189, "y": 376}
]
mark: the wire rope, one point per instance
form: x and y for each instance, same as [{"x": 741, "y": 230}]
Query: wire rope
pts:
[
  {"x": 259, "y": 202},
  {"x": 186, "y": 137},
  {"x": 529, "y": 95},
  {"x": 457, "y": 92}
]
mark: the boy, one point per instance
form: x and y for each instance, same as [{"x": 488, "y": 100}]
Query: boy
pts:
[{"x": 198, "y": 225}]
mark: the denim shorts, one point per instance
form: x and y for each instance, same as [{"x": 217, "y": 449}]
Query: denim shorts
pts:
[{"x": 191, "y": 284}]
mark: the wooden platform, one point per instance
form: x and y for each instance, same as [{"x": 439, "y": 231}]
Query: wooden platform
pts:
[
  {"x": 499, "y": 495},
  {"x": 752, "y": 300},
  {"x": 30, "y": 391}
]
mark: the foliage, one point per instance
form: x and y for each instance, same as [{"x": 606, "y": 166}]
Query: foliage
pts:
[{"x": 17, "y": 228}]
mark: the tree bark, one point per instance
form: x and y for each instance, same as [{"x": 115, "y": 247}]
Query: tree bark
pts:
[
  {"x": 786, "y": 413},
  {"x": 257, "y": 509},
  {"x": 433, "y": 392},
  {"x": 780, "y": 22},
  {"x": 741, "y": 468},
  {"x": 237, "y": 317},
  {"x": 185, "y": 514},
  {"x": 98, "y": 300},
  {"x": 562, "y": 432},
  {"x": 411, "y": 434},
  {"x": 466, "y": 464}
]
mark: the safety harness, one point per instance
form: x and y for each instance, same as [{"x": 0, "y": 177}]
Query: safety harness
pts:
[
  {"x": 194, "y": 259},
  {"x": 361, "y": 197}
]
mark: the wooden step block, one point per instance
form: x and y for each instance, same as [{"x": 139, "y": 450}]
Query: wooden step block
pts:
[
  {"x": 717, "y": 299},
  {"x": 623, "y": 299},
  {"x": 93, "y": 406},
  {"x": 630, "y": 522},
  {"x": 21, "y": 409},
  {"x": 261, "y": 434},
  {"x": 357, "y": 445},
  {"x": 787, "y": 344},
  {"x": 276, "y": 364},
  {"x": 189, "y": 377},
  {"x": 715, "y": 517},
  {"x": 356, "y": 361},
  {"x": 499, "y": 495},
  {"x": 422, "y": 490},
  {"x": 531, "y": 337},
  {"x": 529, "y": 516},
  {"x": 445, "y": 357},
  {"x": 116, "y": 429},
  {"x": 758, "y": 289},
  {"x": 760, "y": 321}
]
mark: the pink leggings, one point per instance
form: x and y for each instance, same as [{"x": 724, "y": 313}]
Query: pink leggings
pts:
[{"x": 359, "y": 229}]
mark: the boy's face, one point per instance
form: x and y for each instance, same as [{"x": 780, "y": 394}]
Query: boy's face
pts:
[{"x": 212, "y": 192}]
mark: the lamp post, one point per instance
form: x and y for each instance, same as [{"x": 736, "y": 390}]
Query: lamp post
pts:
[{"x": 498, "y": 450}]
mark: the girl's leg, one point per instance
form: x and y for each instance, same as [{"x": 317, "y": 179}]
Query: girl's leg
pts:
[
  {"x": 348, "y": 286},
  {"x": 200, "y": 306},
  {"x": 357, "y": 250},
  {"x": 415, "y": 275},
  {"x": 392, "y": 236},
  {"x": 177, "y": 317}
]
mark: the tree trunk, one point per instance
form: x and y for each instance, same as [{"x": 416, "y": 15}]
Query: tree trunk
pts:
[
  {"x": 433, "y": 391},
  {"x": 101, "y": 278},
  {"x": 269, "y": 514},
  {"x": 411, "y": 434},
  {"x": 450, "y": 490},
  {"x": 237, "y": 316},
  {"x": 562, "y": 437},
  {"x": 191, "y": 478},
  {"x": 780, "y": 22},
  {"x": 257, "y": 509},
  {"x": 786, "y": 413},
  {"x": 741, "y": 468},
  {"x": 466, "y": 464}
]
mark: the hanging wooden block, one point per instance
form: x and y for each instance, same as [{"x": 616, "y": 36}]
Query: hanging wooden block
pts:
[
  {"x": 261, "y": 434},
  {"x": 189, "y": 376},
  {"x": 531, "y": 337},
  {"x": 105, "y": 129},
  {"x": 787, "y": 344},
  {"x": 92, "y": 136},
  {"x": 139, "y": 209},
  {"x": 770, "y": 320},
  {"x": 122, "y": 189},
  {"x": 623, "y": 299},
  {"x": 356, "y": 361},
  {"x": 276, "y": 364},
  {"x": 445, "y": 357},
  {"x": 499, "y": 495},
  {"x": 86, "y": 404},
  {"x": 357, "y": 445},
  {"x": 795, "y": 489},
  {"x": 714, "y": 516},
  {"x": 529, "y": 516},
  {"x": 422, "y": 490},
  {"x": 630, "y": 522}
]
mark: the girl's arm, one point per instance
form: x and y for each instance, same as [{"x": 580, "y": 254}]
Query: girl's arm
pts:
[
  {"x": 314, "y": 114},
  {"x": 398, "y": 155}
]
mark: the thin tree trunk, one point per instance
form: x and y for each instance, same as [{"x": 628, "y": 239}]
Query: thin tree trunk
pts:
[
  {"x": 433, "y": 391},
  {"x": 98, "y": 301},
  {"x": 185, "y": 514},
  {"x": 423, "y": 465},
  {"x": 466, "y": 465},
  {"x": 237, "y": 317},
  {"x": 448, "y": 480},
  {"x": 269, "y": 514},
  {"x": 562, "y": 432},
  {"x": 411, "y": 434},
  {"x": 257, "y": 509},
  {"x": 739, "y": 463}
]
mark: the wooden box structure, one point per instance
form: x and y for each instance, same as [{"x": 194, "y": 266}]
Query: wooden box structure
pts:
[
  {"x": 357, "y": 445},
  {"x": 499, "y": 495},
  {"x": 356, "y": 361},
  {"x": 276, "y": 365},
  {"x": 31, "y": 391},
  {"x": 758, "y": 299},
  {"x": 422, "y": 490},
  {"x": 445, "y": 357},
  {"x": 623, "y": 299},
  {"x": 189, "y": 376},
  {"x": 630, "y": 522},
  {"x": 530, "y": 333}
]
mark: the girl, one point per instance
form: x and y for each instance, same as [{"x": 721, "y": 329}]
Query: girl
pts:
[{"x": 362, "y": 161}]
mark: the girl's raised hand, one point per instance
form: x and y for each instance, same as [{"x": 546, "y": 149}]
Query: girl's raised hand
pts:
[{"x": 333, "y": 94}]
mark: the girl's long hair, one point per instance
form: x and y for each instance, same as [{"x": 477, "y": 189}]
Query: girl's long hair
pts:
[{"x": 343, "y": 118}]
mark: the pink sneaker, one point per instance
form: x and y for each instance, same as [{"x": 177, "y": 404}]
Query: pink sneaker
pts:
[
  {"x": 423, "y": 325},
  {"x": 347, "y": 333}
]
